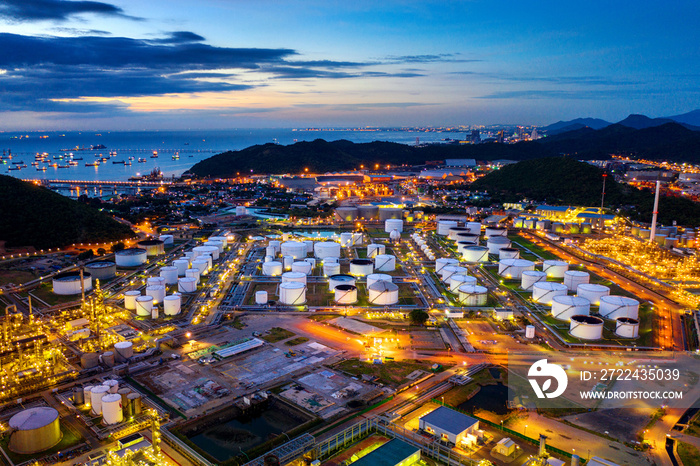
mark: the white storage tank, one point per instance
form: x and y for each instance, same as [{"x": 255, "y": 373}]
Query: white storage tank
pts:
[
  {"x": 542, "y": 225},
  {"x": 554, "y": 268},
  {"x": 529, "y": 223},
  {"x": 191, "y": 273},
  {"x": 261, "y": 297},
  {"x": 448, "y": 271},
  {"x": 241, "y": 210},
  {"x": 530, "y": 331},
  {"x": 346, "y": 239},
  {"x": 347, "y": 214},
  {"x": 461, "y": 246},
  {"x": 150, "y": 281},
  {"x": 213, "y": 251},
  {"x": 514, "y": 268},
  {"x": 112, "y": 384},
  {"x": 102, "y": 270},
  {"x": 309, "y": 246},
  {"x": 474, "y": 228},
  {"x": 169, "y": 273},
  {"x": 564, "y": 307},
  {"x": 468, "y": 237},
  {"x": 270, "y": 251},
  {"x": 340, "y": 279},
  {"x": 187, "y": 285},
  {"x": 508, "y": 253},
  {"x": 544, "y": 292},
  {"x": 302, "y": 266},
  {"x": 444, "y": 261},
  {"x": 276, "y": 244},
  {"x": 443, "y": 227},
  {"x": 222, "y": 239},
  {"x": 87, "y": 389},
  {"x": 33, "y": 430},
  {"x": 153, "y": 247},
  {"x": 96, "y": 395},
  {"x": 172, "y": 304},
  {"x": 157, "y": 292},
  {"x": 472, "y": 295},
  {"x": 200, "y": 264},
  {"x": 454, "y": 231},
  {"x": 373, "y": 249},
  {"x": 627, "y": 327},
  {"x": 361, "y": 267},
  {"x": 292, "y": 293},
  {"x": 476, "y": 254},
  {"x": 586, "y": 327},
  {"x": 345, "y": 294},
  {"x": 384, "y": 263},
  {"x": 357, "y": 239},
  {"x": 392, "y": 224},
  {"x": 574, "y": 278},
  {"x": 377, "y": 277},
  {"x": 331, "y": 268},
  {"x": 123, "y": 350},
  {"x": 383, "y": 293},
  {"x": 460, "y": 279},
  {"x": 368, "y": 211},
  {"x": 325, "y": 249},
  {"x": 592, "y": 292},
  {"x": 390, "y": 213},
  {"x": 294, "y": 277},
  {"x": 496, "y": 243},
  {"x": 287, "y": 262},
  {"x": 613, "y": 307},
  {"x": 181, "y": 265},
  {"x": 530, "y": 277},
  {"x": 112, "y": 409},
  {"x": 132, "y": 257},
  {"x": 69, "y": 283},
  {"x": 130, "y": 299},
  {"x": 490, "y": 232},
  {"x": 217, "y": 244},
  {"x": 272, "y": 269},
  {"x": 294, "y": 248},
  {"x": 144, "y": 306}
]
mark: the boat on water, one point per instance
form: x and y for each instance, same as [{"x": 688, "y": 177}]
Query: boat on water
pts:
[
  {"x": 142, "y": 160},
  {"x": 155, "y": 154},
  {"x": 64, "y": 166},
  {"x": 94, "y": 164},
  {"x": 41, "y": 169},
  {"x": 117, "y": 162},
  {"x": 14, "y": 168},
  {"x": 176, "y": 156}
]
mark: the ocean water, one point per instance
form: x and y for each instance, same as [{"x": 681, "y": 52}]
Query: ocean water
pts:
[{"x": 192, "y": 147}]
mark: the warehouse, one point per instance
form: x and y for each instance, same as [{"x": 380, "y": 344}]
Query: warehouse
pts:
[
  {"x": 393, "y": 453},
  {"x": 450, "y": 425}
]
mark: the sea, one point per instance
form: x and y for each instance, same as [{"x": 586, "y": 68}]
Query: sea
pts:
[{"x": 176, "y": 151}]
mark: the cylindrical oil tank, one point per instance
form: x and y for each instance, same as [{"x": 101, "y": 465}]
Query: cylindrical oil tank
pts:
[
  {"x": 69, "y": 283},
  {"x": 495, "y": 243},
  {"x": 155, "y": 281},
  {"x": 555, "y": 268},
  {"x": 102, "y": 270},
  {"x": 276, "y": 244},
  {"x": 627, "y": 327},
  {"x": 130, "y": 299},
  {"x": 377, "y": 277},
  {"x": 112, "y": 409},
  {"x": 347, "y": 214},
  {"x": 519, "y": 222},
  {"x": 508, "y": 253},
  {"x": 390, "y": 212},
  {"x": 368, "y": 211},
  {"x": 447, "y": 272},
  {"x": 384, "y": 263},
  {"x": 461, "y": 246},
  {"x": 361, "y": 267},
  {"x": 340, "y": 279},
  {"x": 474, "y": 228},
  {"x": 514, "y": 268},
  {"x": 123, "y": 350},
  {"x": 153, "y": 247},
  {"x": 272, "y": 269},
  {"x": 268, "y": 259},
  {"x": 586, "y": 228},
  {"x": 132, "y": 257},
  {"x": 586, "y": 327},
  {"x": 309, "y": 246},
  {"x": 331, "y": 268},
  {"x": 346, "y": 239},
  {"x": 671, "y": 242},
  {"x": 261, "y": 297},
  {"x": 200, "y": 264},
  {"x": 144, "y": 305},
  {"x": 592, "y": 292},
  {"x": 454, "y": 231},
  {"x": 443, "y": 227},
  {"x": 301, "y": 266},
  {"x": 172, "y": 304},
  {"x": 78, "y": 396},
  {"x": 660, "y": 239},
  {"x": 134, "y": 403},
  {"x": 292, "y": 293},
  {"x": 241, "y": 210},
  {"x": 169, "y": 273},
  {"x": 222, "y": 239},
  {"x": 89, "y": 360},
  {"x": 191, "y": 273},
  {"x": 373, "y": 249},
  {"x": 468, "y": 237},
  {"x": 530, "y": 331},
  {"x": 460, "y": 279},
  {"x": 392, "y": 224},
  {"x": 213, "y": 251},
  {"x": 574, "y": 278},
  {"x": 181, "y": 265},
  {"x": 444, "y": 261},
  {"x": 573, "y": 228},
  {"x": 544, "y": 292},
  {"x": 287, "y": 262},
  {"x": 157, "y": 292},
  {"x": 87, "y": 389},
  {"x": 476, "y": 254},
  {"x": 167, "y": 240},
  {"x": 187, "y": 285},
  {"x": 294, "y": 277},
  {"x": 644, "y": 233},
  {"x": 564, "y": 307},
  {"x": 613, "y": 307},
  {"x": 200, "y": 250},
  {"x": 530, "y": 277},
  {"x": 217, "y": 244},
  {"x": 357, "y": 239},
  {"x": 112, "y": 384},
  {"x": 325, "y": 249},
  {"x": 383, "y": 293},
  {"x": 124, "y": 392},
  {"x": 96, "y": 395},
  {"x": 529, "y": 223},
  {"x": 490, "y": 232},
  {"x": 542, "y": 225},
  {"x": 270, "y": 251},
  {"x": 34, "y": 430},
  {"x": 472, "y": 295},
  {"x": 557, "y": 227},
  {"x": 108, "y": 358},
  {"x": 634, "y": 231},
  {"x": 345, "y": 294}
]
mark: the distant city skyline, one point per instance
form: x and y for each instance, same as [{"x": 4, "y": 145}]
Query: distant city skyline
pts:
[{"x": 179, "y": 64}]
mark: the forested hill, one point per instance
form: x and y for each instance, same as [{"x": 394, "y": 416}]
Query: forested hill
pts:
[{"x": 35, "y": 216}]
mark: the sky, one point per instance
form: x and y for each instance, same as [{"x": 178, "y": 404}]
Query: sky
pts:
[{"x": 183, "y": 64}]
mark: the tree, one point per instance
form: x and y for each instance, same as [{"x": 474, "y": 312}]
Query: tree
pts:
[
  {"x": 101, "y": 251},
  {"x": 86, "y": 254},
  {"x": 418, "y": 317},
  {"x": 118, "y": 247}
]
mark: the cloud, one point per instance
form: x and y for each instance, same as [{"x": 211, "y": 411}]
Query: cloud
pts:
[
  {"x": 364, "y": 106},
  {"x": 569, "y": 80},
  {"x": 289, "y": 72},
  {"x": 56, "y": 10},
  {"x": 584, "y": 94},
  {"x": 81, "y": 32},
  {"x": 428, "y": 58},
  {"x": 179, "y": 37}
]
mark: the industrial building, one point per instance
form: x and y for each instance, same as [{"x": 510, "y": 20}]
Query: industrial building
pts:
[
  {"x": 450, "y": 426},
  {"x": 393, "y": 453}
]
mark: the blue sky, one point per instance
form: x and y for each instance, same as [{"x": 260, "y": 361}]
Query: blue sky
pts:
[{"x": 177, "y": 64}]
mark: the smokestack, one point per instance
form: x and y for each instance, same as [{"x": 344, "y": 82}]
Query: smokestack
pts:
[
  {"x": 575, "y": 460},
  {"x": 543, "y": 446},
  {"x": 656, "y": 212}
]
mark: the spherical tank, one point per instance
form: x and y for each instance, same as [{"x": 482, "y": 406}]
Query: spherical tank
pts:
[
  {"x": 345, "y": 294},
  {"x": 495, "y": 243},
  {"x": 544, "y": 292},
  {"x": 187, "y": 285},
  {"x": 191, "y": 273},
  {"x": 294, "y": 277},
  {"x": 292, "y": 293},
  {"x": 123, "y": 350},
  {"x": 586, "y": 327},
  {"x": 383, "y": 293},
  {"x": 613, "y": 307},
  {"x": 35, "y": 429},
  {"x": 112, "y": 409},
  {"x": 530, "y": 277},
  {"x": 476, "y": 254},
  {"x": 392, "y": 224},
  {"x": 361, "y": 267},
  {"x": 171, "y": 304},
  {"x": 564, "y": 307},
  {"x": 495, "y": 231},
  {"x": 574, "y": 278},
  {"x": 272, "y": 269},
  {"x": 627, "y": 327},
  {"x": 368, "y": 211},
  {"x": 96, "y": 395},
  {"x": 157, "y": 292},
  {"x": 454, "y": 231},
  {"x": 325, "y": 249},
  {"x": 460, "y": 279},
  {"x": 169, "y": 273},
  {"x": 592, "y": 292},
  {"x": 102, "y": 270},
  {"x": 261, "y": 297},
  {"x": 444, "y": 261},
  {"x": 474, "y": 228},
  {"x": 153, "y": 247},
  {"x": 554, "y": 268},
  {"x": 384, "y": 263},
  {"x": 514, "y": 268},
  {"x": 144, "y": 305},
  {"x": 472, "y": 295},
  {"x": 302, "y": 266},
  {"x": 181, "y": 265},
  {"x": 443, "y": 227},
  {"x": 69, "y": 283},
  {"x": 331, "y": 268},
  {"x": 390, "y": 212},
  {"x": 340, "y": 279},
  {"x": 347, "y": 214},
  {"x": 394, "y": 235},
  {"x": 373, "y": 249},
  {"x": 132, "y": 257},
  {"x": 130, "y": 299},
  {"x": 508, "y": 253}
]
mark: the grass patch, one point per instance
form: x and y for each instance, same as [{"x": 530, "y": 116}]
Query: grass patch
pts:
[
  {"x": 16, "y": 277},
  {"x": 45, "y": 292},
  {"x": 237, "y": 323},
  {"x": 296, "y": 341},
  {"x": 688, "y": 454},
  {"x": 694, "y": 426},
  {"x": 70, "y": 438},
  {"x": 276, "y": 334},
  {"x": 392, "y": 373},
  {"x": 461, "y": 393}
]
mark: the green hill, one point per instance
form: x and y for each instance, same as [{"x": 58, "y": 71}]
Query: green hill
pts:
[{"x": 35, "y": 216}]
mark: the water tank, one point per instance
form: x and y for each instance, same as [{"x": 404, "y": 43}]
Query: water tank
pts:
[
  {"x": 586, "y": 327},
  {"x": 390, "y": 212},
  {"x": 132, "y": 257},
  {"x": 361, "y": 267},
  {"x": 564, "y": 307},
  {"x": 325, "y": 249},
  {"x": 157, "y": 292},
  {"x": 377, "y": 277},
  {"x": 474, "y": 228},
  {"x": 592, "y": 292},
  {"x": 544, "y": 292},
  {"x": 261, "y": 297},
  {"x": 294, "y": 277},
  {"x": 443, "y": 227},
  {"x": 181, "y": 265},
  {"x": 472, "y": 295},
  {"x": 112, "y": 409},
  {"x": 331, "y": 268},
  {"x": 495, "y": 243},
  {"x": 444, "y": 261},
  {"x": 272, "y": 269},
  {"x": 112, "y": 384},
  {"x": 530, "y": 277},
  {"x": 530, "y": 331},
  {"x": 108, "y": 358},
  {"x": 340, "y": 279},
  {"x": 448, "y": 271},
  {"x": 574, "y": 278},
  {"x": 96, "y": 395},
  {"x": 490, "y": 232},
  {"x": 384, "y": 263},
  {"x": 172, "y": 304},
  {"x": 187, "y": 285},
  {"x": 69, "y": 283},
  {"x": 191, "y": 273},
  {"x": 130, "y": 299},
  {"x": 508, "y": 253},
  {"x": 468, "y": 237},
  {"x": 514, "y": 268},
  {"x": 292, "y": 293},
  {"x": 102, "y": 270},
  {"x": 144, "y": 305},
  {"x": 454, "y": 231},
  {"x": 476, "y": 254},
  {"x": 169, "y": 273},
  {"x": 302, "y": 266},
  {"x": 373, "y": 249},
  {"x": 346, "y": 239},
  {"x": 153, "y": 247},
  {"x": 34, "y": 430},
  {"x": 78, "y": 396},
  {"x": 123, "y": 350},
  {"x": 347, "y": 214},
  {"x": 627, "y": 327},
  {"x": 554, "y": 268},
  {"x": 393, "y": 224},
  {"x": 89, "y": 360},
  {"x": 383, "y": 293},
  {"x": 368, "y": 211},
  {"x": 613, "y": 307},
  {"x": 345, "y": 294},
  {"x": 460, "y": 279}
]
